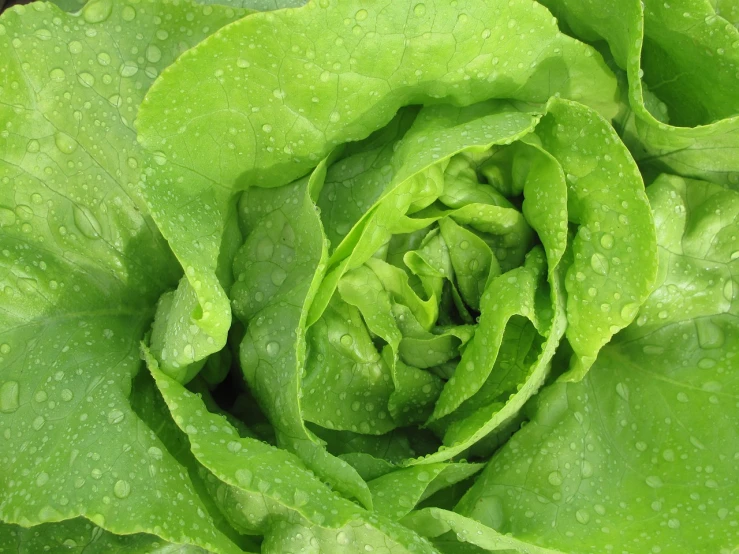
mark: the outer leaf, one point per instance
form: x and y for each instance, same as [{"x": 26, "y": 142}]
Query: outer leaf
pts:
[
  {"x": 686, "y": 54},
  {"x": 433, "y": 522},
  {"x": 78, "y": 536},
  {"x": 398, "y": 492},
  {"x": 82, "y": 269},
  {"x": 614, "y": 251},
  {"x": 258, "y": 5},
  {"x": 266, "y": 490},
  {"x": 249, "y": 101},
  {"x": 278, "y": 271},
  {"x": 645, "y": 445}
]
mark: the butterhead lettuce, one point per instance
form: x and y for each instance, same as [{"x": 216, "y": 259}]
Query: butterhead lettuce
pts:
[{"x": 369, "y": 276}]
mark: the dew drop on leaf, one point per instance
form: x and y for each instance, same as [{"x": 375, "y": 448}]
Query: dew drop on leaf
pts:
[
  {"x": 9, "y": 391},
  {"x": 599, "y": 263},
  {"x": 273, "y": 348},
  {"x": 121, "y": 489},
  {"x": 65, "y": 143},
  {"x": 97, "y": 11},
  {"x": 86, "y": 222}
]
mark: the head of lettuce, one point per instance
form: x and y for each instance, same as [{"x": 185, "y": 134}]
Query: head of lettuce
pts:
[{"x": 353, "y": 276}]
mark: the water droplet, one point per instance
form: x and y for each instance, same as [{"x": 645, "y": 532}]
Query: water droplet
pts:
[
  {"x": 42, "y": 478},
  {"x": 244, "y": 477},
  {"x": 75, "y": 47},
  {"x": 555, "y": 478},
  {"x": 273, "y": 348},
  {"x": 153, "y": 54},
  {"x": 278, "y": 276},
  {"x": 419, "y": 10},
  {"x": 623, "y": 391},
  {"x": 4, "y": 348},
  {"x": 160, "y": 158},
  {"x": 67, "y": 395},
  {"x": 234, "y": 446},
  {"x": 606, "y": 241},
  {"x": 103, "y": 58},
  {"x": 265, "y": 248},
  {"x": 155, "y": 453},
  {"x": 42, "y": 34},
  {"x": 86, "y": 222},
  {"x": 38, "y": 422},
  {"x": 115, "y": 416},
  {"x": 24, "y": 212},
  {"x": 121, "y": 489},
  {"x": 582, "y": 517},
  {"x": 57, "y": 75},
  {"x": 599, "y": 263},
  {"x": 729, "y": 289},
  {"x": 300, "y": 497},
  {"x": 267, "y": 128},
  {"x": 9, "y": 397},
  {"x": 97, "y": 11},
  {"x": 33, "y": 146},
  {"x": 128, "y": 13},
  {"x": 65, "y": 143},
  {"x": 654, "y": 481},
  {"x": 128, "y": 69},
  {"x": 7, "y": 217},
  {"x": 242, "y": 63},
  {"x": 86, "y": 79},
  {"x": 629, "y": 311},
  {"x": 342, "y": 538},
  {"x": 347, "y": 340},
  {"x": 361, "y": 15}
]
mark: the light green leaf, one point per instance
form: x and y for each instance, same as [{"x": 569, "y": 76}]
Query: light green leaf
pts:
[
  {"x": 645, "y": 445},
  {"x": 243, "y": 105},
  {"x": 433, "y": 522},
  {"x": 265, "y": 490},
  {"x": 82, "y": 270},
  {"x": 257, "y": 5},
  {"x": 278, "y": 270},
  {"x": 614, "y": 250},
  {"x": 347, "y": 384},
  {"x": 78, "y": 536},
  {"x": 396, "y": 493},
  {"x": 685, "y": 54}
]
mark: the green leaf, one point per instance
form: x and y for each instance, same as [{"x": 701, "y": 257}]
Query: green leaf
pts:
[
  {"x": 278, "y": 270},
  {"x": 257, "y": 5},
  {"x": 78, "y": 535},
  {"x": 685, "y": 54},
  {"x": 265, "y": 490},
  {"x": 243, "y": 105},
  {"x": 614, "y": 250},
  {"x": 347, "y": 384},
  {"x": 433, "y": 522},
  {"x": 398, "y": 492},
  {"x": 82, "y": 270},
  {"x": 640, "y": 454}
]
